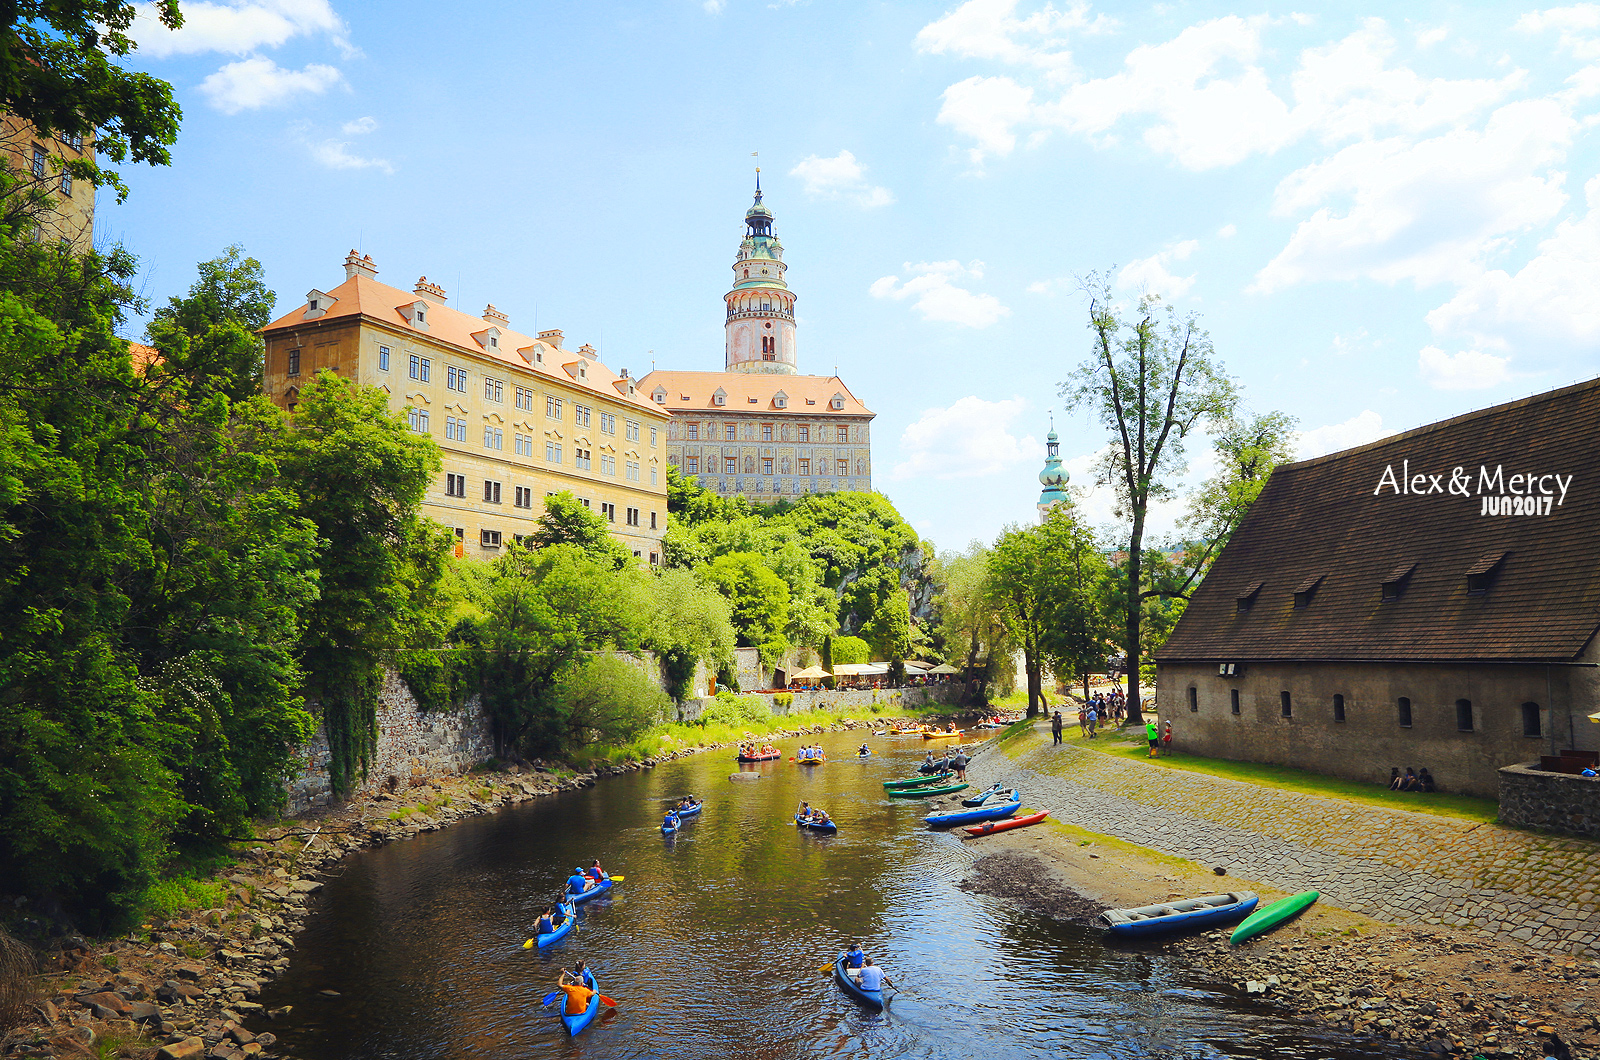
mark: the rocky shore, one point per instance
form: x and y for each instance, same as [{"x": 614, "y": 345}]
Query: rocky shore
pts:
[{"x": 185, "y": 988}]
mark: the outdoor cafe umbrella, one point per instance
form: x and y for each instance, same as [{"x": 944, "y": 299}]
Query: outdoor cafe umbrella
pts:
[
  {"x": 944, "y": 668},
  {"x": 810, "y": 673}
]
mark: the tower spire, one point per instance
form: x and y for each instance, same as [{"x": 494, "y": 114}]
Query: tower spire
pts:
[{"x": 760, "y": 321}]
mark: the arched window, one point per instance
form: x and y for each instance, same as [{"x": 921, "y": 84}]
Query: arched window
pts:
[
  {"x": 1463, "y": 715},
  {"x": 1530, "y": 720}
]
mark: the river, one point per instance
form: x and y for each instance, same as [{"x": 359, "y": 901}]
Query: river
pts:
[{"x": 713, "y": 945}]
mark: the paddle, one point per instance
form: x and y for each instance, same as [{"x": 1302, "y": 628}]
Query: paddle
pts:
[{"x": 550, "y": 998}]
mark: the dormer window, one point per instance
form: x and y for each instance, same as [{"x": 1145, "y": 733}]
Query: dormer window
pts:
[
  {"x": 416, "y": 313},
  {"x": 1307, "y": 589},
  {"x": 422, "y": 315},
  {"x": 1395, "y": 583},
  {"x": 1247, "y": 599},
  {"x": 488, "y": 338},
  {"x": 837, "y": 403},
  {"x": 659, "y": 395},
  {"x": 1481, "y": 574},
  {"x": 317, "y": 303},
  {"x": 720, "y": 397},
  {"x": 780, "y": 400}
]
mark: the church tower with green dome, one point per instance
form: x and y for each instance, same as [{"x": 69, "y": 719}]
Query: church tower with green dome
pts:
[
  {"x": 760, "y": 324},
  {"x": 1053, "y": 477}
]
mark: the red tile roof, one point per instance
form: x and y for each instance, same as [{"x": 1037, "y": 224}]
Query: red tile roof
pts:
[
  {"x": 1330, "y": 517},
  {"x": 696, "y": 391}
]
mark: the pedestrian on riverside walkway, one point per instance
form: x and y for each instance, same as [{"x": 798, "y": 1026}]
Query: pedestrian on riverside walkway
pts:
[
  {"x": 1153, "y": 734},
  {"x": 1055, "y": 728},
  {"x": 1166, "y": 737},
  {"x": 960, "y": 763}
]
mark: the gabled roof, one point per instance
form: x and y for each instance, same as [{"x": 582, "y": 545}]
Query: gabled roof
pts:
[
  {"x": 361, "y": 295},
  {"x": 696, "y": 392},
  {"x": 1331, "y": 517}
]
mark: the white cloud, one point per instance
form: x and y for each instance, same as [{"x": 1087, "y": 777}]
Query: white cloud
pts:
[
  {"x": 1428, "y": 211},
  {"x": 336, "y": 154},
  {"x": 359, "y": 127},
  {"x": 937, "y": 296},
  {"x": 1228, "y": 231},
  {"x": 1152, "y": 275},
  {"x": 714, "y": 7},
  {"x": 840, "y": 177},
  {"x": 1576, "y": 26},
  {"x": 989, "y": 29},
  {"x": 1352, "y": 342},
  {"x": 1359, "y": 429},
  {"x": 970, "y": 439},
  {"x": 235, "y": 28},
  {"x": 986, "y": 109},
  {"x": 1467, "y": 370},
  {"x": 253, "y": 83}
]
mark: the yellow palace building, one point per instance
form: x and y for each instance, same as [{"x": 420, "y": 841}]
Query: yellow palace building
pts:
[{"x": 517, "y": 417}]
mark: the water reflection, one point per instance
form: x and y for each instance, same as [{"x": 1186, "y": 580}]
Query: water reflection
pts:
[{"x": 715, "y": 943}]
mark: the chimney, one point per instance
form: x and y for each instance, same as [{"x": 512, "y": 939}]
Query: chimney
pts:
[
  {"x": 491, "y": 315},
  {"x": 552, "y": 337},
  {"x": 432, "y": 290},
  {"x": 354, "y": 263},
  {"x": 624, "y": 373},
  {"x": 588, "y": 351}
]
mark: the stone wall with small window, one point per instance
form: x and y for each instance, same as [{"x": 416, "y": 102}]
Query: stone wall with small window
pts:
[{"x": 1463, "y": 721}]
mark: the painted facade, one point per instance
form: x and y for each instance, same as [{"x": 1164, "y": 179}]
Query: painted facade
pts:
[
  {"x": 516, "y": 417},
  {"x": 759, "y": 428}
]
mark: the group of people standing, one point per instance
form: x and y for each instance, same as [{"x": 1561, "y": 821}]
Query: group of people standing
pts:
[
  {"x": 1159, "y": 734},
  {"x": 956, "y": 763}
]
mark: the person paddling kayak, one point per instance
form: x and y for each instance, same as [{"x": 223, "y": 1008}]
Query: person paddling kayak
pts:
[
  {"x": 578, "y": 882},
  {"x": 578, "y": 993}
]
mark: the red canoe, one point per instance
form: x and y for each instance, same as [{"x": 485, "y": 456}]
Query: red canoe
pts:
[{"x": 1015, "y": 822}]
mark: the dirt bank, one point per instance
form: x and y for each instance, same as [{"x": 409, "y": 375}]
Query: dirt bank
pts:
[{"x": 1436, "y": 989}]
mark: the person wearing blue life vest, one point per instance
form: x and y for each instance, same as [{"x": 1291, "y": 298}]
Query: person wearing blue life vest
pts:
[
  {"x": 853, "y": 957},
  {"x": 547, "y": 922},
  {"x": 670, "y": 821},
  {"x": 578, "y": 882}
]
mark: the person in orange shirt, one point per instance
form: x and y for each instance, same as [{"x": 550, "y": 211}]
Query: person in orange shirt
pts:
[{"x": 578, "y": 993}]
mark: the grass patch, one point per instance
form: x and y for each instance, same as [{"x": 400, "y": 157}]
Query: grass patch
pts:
[
  {"x": 1129, "y": 745},
  {"x": 168, "y": 898}
]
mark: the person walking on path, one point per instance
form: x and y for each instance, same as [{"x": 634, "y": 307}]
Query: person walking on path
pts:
[
  {"x": 960, "y": 763},
  {"x": 1093, "y": 719},
  {"x": 1153, "y": 734},
  {"x": 1055, "y": 728},
  {"x": 1166, "y": 736},
  {"x": 1083, "y": 720}
]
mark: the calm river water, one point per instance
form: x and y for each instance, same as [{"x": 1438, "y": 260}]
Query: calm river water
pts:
[{"x": 713, "y": 944}]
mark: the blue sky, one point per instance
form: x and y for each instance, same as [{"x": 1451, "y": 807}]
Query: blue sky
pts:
[{"x": 1382, "y": 221}]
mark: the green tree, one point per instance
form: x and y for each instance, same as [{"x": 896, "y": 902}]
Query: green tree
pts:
[
  {"x": 606, "y": 699},
  {"x": 849, "y": 651},
  {"x": 827, "y": 662},
  {"x": 1152, "y": 379},
  {"x": 1078, "y": 623},
  {"x": 60, "y": 70},
  {"x": 969, "y": 626},
  {"x": 1017, "y": 588},
  {"x": 689, "y": 624},
  {"x": 888, "y": 631},
  {"x": 566, "y": 520},
  {"x": 211, "y": 333},
  {"x": 759, "y": 600}
]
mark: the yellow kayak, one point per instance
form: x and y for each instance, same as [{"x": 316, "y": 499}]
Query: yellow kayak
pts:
[{"x": 941, "y": 735}]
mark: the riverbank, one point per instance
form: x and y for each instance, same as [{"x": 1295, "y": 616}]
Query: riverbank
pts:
[
  {"x": 1433, "y": 987},
  {"x": 185, "y": 987}
]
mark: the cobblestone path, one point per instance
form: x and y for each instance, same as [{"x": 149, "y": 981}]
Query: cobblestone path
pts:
[{"x": 1393, "y": 865}]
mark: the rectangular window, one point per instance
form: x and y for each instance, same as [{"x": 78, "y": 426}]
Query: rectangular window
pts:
[
  {"x": 694, "y": 431},
  {"x": 1403, "y": 712},
  {"x": 421, "y": 368},
  {"x": 608, "y": 464},
  {"x": 418, "y": 420},
  {"x": 609, "y": 511},
  {"x": 766, "y": 465},
  {"x": 455, "y": 485},
  {"x": 580, "y": 415},
  {"x": 805, "y": 468},
  {"x": 652, "y": 437},
  {"x": 842, "y": 467},
  {"x": 691, "y": 465},
  {"x": 730, "y": 432},
  {"x": 494, "y": 438},
  {"x": 383, "y": 358},
  {"x": 552, "y": 407},
  {"x": 633, "y": 517},
  {"x": 1530, "y": 720},
  {"x": 294, "y": 362},
  {"x": 38, "y": 161},
  {"x": 1233, "y": 698},
  {"x": 66, "y": 183},
  {"x": 455, "y": 378},
  {"x": 1463, "y": 715},
  {"x": 491, "y": 492},
  {"x": 1194, "y": 700},
  {"x": 455, "y": 429},
  {"x": 652, "y": 476},
  {"x": 552, "y": 453},
  {"x": 489, "y": 538},
  {"x": 524, "y": 398},
  {"x": 1288, "y": 707},
  {"x": 1338, "y": 708},
  {"x": 631, "y": 428},
  {"x": 805, "y": 433},
  {"x": 525, "y": 445},
  {"x": 652, "y": 526},
  {"x": 608, "y": 423},
  {"x": 494, "y": 389},
  {"x": 730, "y": 465},
  {"x": 633, "y": 471},
  {"x": 581, "y": 458},
  {"x": 766, "y": 432},
  {"x": 844, "y": 434}
]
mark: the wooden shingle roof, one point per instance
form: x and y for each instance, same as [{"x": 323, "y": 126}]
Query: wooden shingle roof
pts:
[{"x": 1329, "y": 517}]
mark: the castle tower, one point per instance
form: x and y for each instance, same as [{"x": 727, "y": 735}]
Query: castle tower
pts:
[
  {"x": 1053, "y": 477},
  {"x": 760, "y": 324}
]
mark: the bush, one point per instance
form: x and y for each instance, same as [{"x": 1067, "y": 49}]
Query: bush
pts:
[
  {"x": 167, "y": 898},
  {"x": 783, "y": 699},
  {"x": 850, "y": 650},
  {"x": 729, "y": 709},
  {"x": 604, "y": 699}
]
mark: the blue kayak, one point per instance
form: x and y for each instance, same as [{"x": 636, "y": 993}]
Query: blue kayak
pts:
[
  {"x": 551, "y": 937},
  {"x": 853, "y": 988},
  {"x": 693, "y": 811},
  {"x": 984, "y": 796},
  {"x": 1184, "y": 915},
  {"x": 982, "y": 813},
  {"x": 671, "y": 825},
  {"x": 825, "y": 827},
  {"x": 598, "y": 889},
  {"x": 575, "y": 1024}
]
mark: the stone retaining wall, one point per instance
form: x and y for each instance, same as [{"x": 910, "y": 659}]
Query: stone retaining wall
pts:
[
  {"x": 891, "y": 699},
  {"x": 1556, "y": 802},
  {"x": 411, "y": 743}
]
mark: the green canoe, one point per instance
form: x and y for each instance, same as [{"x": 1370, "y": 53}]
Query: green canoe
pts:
[
  {"x": 1264, "y": 920},
  {"x": 916, "y": 782},
  {"x": 922, "y": 793}
]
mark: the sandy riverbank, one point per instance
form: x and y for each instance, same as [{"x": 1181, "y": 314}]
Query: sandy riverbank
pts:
[{"x": 1436, "y": 989}]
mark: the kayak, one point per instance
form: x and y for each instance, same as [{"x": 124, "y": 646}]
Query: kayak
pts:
[
  {"x": 863, "y": 754},
  {"x": 548, "y": 938},
  {"x": 984, "y": 796},
  {"x": 810, "y": 761},
  {"x": 668, "y": 827},
  {"x": 916, "y": 782},
  {"x": 853, "y": 988},
  {"x": 576, "y": 1024},
  {"x": 825, "y": 827},
  {"x": 598, "y": 889},
  {"x": 759, "y": 758},
  {"x": 941, "y": 735},
  {"x": 1006, "y": 826},
  {"x": 693, "y": 811},
  {"x": 1264, "y": 920},
  {"x": 982, "y": 813},
  {"x": 1182, "y": 915},
  {"x": 923, "y": 793}
]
